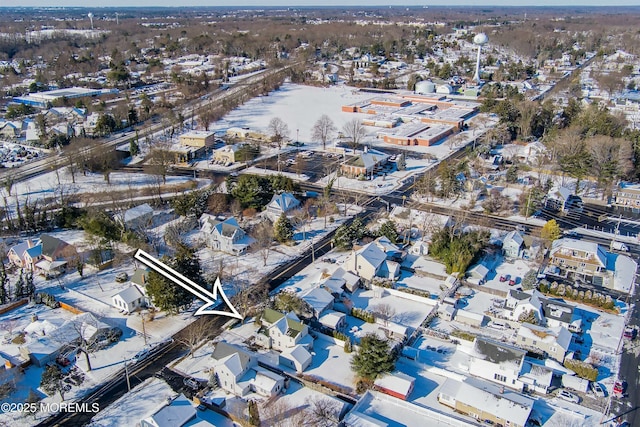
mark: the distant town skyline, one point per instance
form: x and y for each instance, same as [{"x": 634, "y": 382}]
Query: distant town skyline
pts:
[{"x": 297, "y": 3}]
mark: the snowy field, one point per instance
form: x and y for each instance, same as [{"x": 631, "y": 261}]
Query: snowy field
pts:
[{"x": 54, "y": 185}]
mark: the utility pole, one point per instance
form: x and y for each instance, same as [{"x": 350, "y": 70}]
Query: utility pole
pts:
[
  {"x": 126, "y": 373},
  {"x": 144, "y": 331}
]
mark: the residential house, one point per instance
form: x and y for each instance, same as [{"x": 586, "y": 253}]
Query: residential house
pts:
[
  {"x": 297, "y": 358},
  {"x": 177, "y": 413},
  {"x": 477, "y": 274},
  {"x": 579, "y": 260},
  {"x": 484, "y": 401},
  {"x": 558, "y": 313},
  {"x": 341, "y": 280},
  {"x": 280, "y": 331},
  {"x": 45, "y": 342},
  {"x": 396, "y": 384},
  {"x": 319, "y": 300},
  {"x": 391, "y": 250},
  {"x": 281, "y": 203},
  {"x": 364, "y": 165},
  {"x": 467, "y": 317},
  {"x": 65, "y": 114},
  {"x": 627, "y": 196},
  {"x": 224, "y": 235},
  {"x": 47, "y": 255},
  {"x": 497, "y": 362},
  {"x": 554, "y": 342},
  {"x": 520, "y": 303},
  {"x": 564, "y": 200},
  {"x": 19, "y": 258},
  {"x": 513, "y": 244},
  {"x": 238, "y": 373},
  {"x": 535, "y": 376},
  {"x": 138, "y": 218},
  {"x": 10, "y": 130},
  {"x": 333, "y": 320},
  {"x": 129, "y": 299},
  {"x": 371, "y": 261}
]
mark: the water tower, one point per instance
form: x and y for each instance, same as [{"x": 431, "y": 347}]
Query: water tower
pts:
[
  {"x": 90, "y": 15},
  {"x": 480, "y": 39}
]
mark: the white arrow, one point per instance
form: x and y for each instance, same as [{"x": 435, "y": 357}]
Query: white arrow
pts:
[{"x": 197, "y": 290}]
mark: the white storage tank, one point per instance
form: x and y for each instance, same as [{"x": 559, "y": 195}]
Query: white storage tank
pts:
[{"x": 425, "y": 87}]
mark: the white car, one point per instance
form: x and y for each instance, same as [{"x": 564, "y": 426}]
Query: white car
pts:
[
  {"x": 570, "y": 397},
  {"x": 597, "y": 389}
]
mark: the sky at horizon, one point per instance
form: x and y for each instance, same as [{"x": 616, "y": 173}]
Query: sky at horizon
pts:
[{"x": 294, "y": 3}]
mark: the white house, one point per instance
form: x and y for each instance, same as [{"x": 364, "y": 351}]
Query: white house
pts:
[
  {"x": 281, "y": 203},
  {"x": 333, "y": 320},
  {"x": 370, "y": 261},
  {"x": 224, "y": 235},
  {"x": 238, "y": 373},
  {"x": 497, "y": 362},
  {"x": 129, "y": 299},
  {"x": 518, "y": 303},
  {"x": 319, "y": 300},
  {"x": 341, "y": 280},
  {"x": 297, "y": 358},
  {"x": 536, "y": 377},
  {"x": 280, "y": 331},
  {"x": 513, "y": 244}
]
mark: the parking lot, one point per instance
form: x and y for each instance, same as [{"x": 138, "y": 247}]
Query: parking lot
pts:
[{"x": 313, "y": 164}]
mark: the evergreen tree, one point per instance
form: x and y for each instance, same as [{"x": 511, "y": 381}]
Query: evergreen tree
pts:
[
  {"x": 372, "y": 358},
  {"x": 388, "y": 230},
  {"x": 165, "y": 294},
  {"x": 53, "y": 381},
  {"x": 283, "y": 229},
  {"x": 347, "y": 234},
  {"x": 18, "y": 289},
  {"x": 254, "y": 414},
  {"x": 29, "y": 286},
  {"x": 134, "y": 149},
  {"x": 4, "y": 291}
]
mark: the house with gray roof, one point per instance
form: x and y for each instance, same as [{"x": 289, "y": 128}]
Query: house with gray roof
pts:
[
  {"x": 371, "y": 261},
  {"x": 177, "y": 413},
  {"x": 129, "y": 299},
  {"x": 224, "y": 235},
  {"x": 47, "y": 255},
  {"x": 365, "y": 164},
  {"x": 138, "y": 218}
]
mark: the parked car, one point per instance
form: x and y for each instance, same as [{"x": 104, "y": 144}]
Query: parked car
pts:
[
  {"x": 619, "y": 388},
  {"x": 122, "y": 277},
  {"x": 597, "y": 389},
  {"x": 191, "y": 383},
  {"x": 630, "y": 332},
  {"x": 568, "y": 396},
  {"x": 513, "y": 281},
  {"x": 505, "y": 277}
]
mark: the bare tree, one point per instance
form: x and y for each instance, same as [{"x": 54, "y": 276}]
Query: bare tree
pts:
[
  {"x": 279, "y": 130},
  {"x": 355, "y": 131},
  {"x": 384, "y": 311},
  {"x": 263, "y": 234},
  {"x": 323, "y": 412},
  {"x": 194, "y": 334},
  {"x": 160, "y": 161},
  {"x": 281, "y": 413},
  {"x": 323, "y": 130}
]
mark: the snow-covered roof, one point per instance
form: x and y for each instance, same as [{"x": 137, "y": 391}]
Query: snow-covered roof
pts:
[
  {"x": 234, "y": 358},
  {"x": 397, "y": 382},
  {"x": 41, "y": 327},
  {"x": 582, "y": 246},
  {"x": 560, "y": 335},
  {"x": 372, "y": 254},
  {"x": 479, "y": 270},
  {"x": 317, "y": 298},
  {"x": 176, "y": 413},
  {"x": 514, "y": 236},
  {"x": 624, "y": 268},
  {"x": 298, "y": 354},
  {"x": 129, "y": 294},
  {"x": 506, "y": 404},
  {"x": 283, "y": 202},
  {"x": 350, "y": 279},
  {"x": 266, "y": 380},
  {"x": 331, "y": 318},
  {"x": 558, "y": 310},
  {"x": 45, "y": 265},
  {"x": 137, "y": 212}
]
